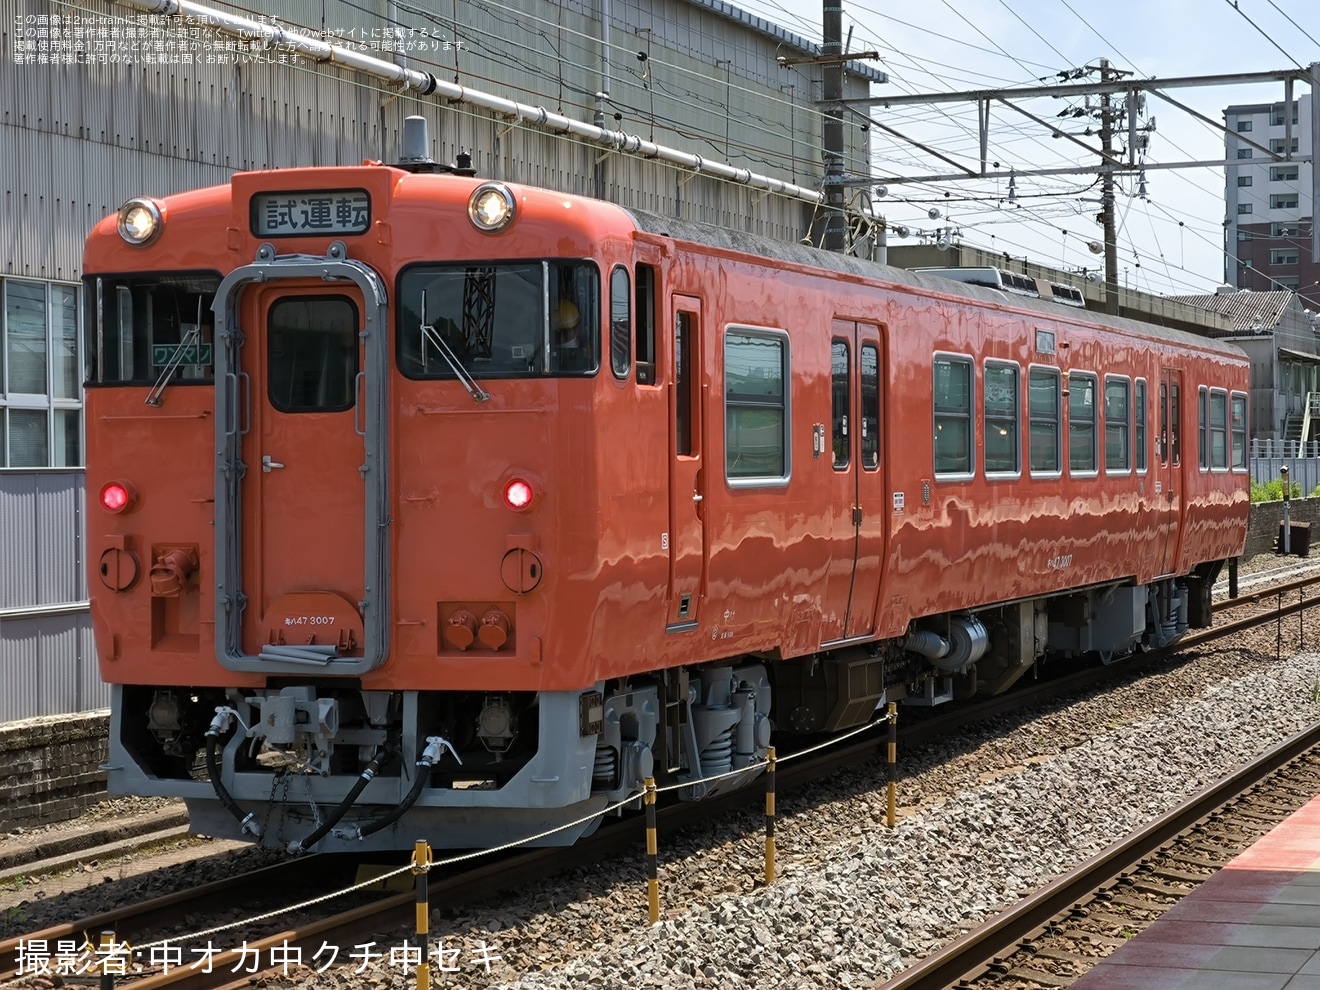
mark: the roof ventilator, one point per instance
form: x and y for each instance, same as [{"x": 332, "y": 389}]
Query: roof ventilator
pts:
[{"x": 416, "y": 151}]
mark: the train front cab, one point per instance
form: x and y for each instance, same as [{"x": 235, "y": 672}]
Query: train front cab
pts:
[{"x": 262, "y": 567}]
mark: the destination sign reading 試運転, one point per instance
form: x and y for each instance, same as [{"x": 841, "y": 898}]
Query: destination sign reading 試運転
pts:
[{"x": 303, "y": 214}]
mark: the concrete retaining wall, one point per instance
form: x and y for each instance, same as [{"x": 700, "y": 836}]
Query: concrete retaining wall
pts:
[
  {"x": 48, "y": 768},
  {"x": 1266, "y": 517}
]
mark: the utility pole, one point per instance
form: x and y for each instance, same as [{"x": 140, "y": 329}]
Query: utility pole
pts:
[
  {"x": 836, "y": 224},
  {"x": 1108, "y": 74}
]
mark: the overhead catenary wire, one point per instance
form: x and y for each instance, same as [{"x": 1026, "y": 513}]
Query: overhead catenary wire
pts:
[
  {"x": 907, "y": 155},
  {"x": 1263, "y": 33},
  {"x": 1310, "y": 37},
  {"x": 1230, "y": 254},
  {"x": 1063, "y": 59},
  {"x": 920, "y": 114},
  {"x": 688, "y": 98},
  {"x": 1189, "y": 180},
  {"x": 983, "y": 34}
]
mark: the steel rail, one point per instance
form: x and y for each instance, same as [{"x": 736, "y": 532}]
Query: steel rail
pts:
[
  {"x": 975, "y": 950},
  {"x": 125, "y": 920},
  {"x": 1240, "y": 625},
  {"x": 368, "y": 919},
  {"x": 516, "y": 869},
  {"x": 1257, "y": 597}
]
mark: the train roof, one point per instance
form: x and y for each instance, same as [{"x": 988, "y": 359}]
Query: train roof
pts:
[{"x": 757, "y": 246}]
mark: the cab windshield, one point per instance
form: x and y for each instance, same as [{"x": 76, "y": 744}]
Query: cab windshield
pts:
[
  {"x": 139, "y": 326},
  {"x": 511, "y": 320}
]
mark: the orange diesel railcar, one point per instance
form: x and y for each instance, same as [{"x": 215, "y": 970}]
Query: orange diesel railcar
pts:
[{"x": 428, "y": 505}]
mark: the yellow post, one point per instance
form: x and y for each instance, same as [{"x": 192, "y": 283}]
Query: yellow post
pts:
[
  {"x": 421, "y": 864},
  {"x": 107, "y": 972},
  {"x": 770, "y": 815},
  {"x": 892, "y": 817},
  {"x": 652, "y": 855}
]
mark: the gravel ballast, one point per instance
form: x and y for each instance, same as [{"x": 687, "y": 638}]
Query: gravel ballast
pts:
[{"x": 855, "y": 902}]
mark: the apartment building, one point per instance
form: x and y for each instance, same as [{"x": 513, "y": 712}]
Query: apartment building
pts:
[{"x": 1270, "y": 207}]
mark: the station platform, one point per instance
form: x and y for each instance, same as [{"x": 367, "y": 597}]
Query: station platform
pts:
[{"x": 1255, "y": 925}]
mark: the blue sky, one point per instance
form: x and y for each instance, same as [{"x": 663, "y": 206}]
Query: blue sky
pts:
[{"x": 1170, "y": 243}]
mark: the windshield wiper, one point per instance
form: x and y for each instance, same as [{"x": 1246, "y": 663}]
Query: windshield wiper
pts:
[
  {"x": 193, "y": 336},
  {"x": 429, "y": 334}
]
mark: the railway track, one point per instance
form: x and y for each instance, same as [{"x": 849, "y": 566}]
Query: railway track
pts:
[
  {"x": 1055, "y": 935},
  {"x": 459, "y": 886},
  {"x": 170, "y": 909}
]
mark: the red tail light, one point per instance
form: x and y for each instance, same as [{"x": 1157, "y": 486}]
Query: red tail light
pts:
[
  {"x": 518, "y": 494},
  {"x": 117, "y": 496}
]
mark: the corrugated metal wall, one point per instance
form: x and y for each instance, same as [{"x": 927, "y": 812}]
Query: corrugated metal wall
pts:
[
  {"x": 47, "y": 658},
  {"x": 78, "y": 140}
]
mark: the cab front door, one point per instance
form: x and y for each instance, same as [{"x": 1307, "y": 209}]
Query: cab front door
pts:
[
  {"x": 302, "y": 475},
  {"x": 302, "y": 522}
]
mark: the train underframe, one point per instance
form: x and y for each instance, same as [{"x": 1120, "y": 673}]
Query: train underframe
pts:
[{"x": 327, "y": 765}]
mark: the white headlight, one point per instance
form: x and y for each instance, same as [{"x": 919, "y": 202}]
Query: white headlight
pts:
[
  {"x": 139, "y": 221},
  {"x": 492, "y": 207}
]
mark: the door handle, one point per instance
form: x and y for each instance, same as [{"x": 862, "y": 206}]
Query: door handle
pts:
[
  {"x": 267, "y": 465},
  {"x": 696, "y": 497}
]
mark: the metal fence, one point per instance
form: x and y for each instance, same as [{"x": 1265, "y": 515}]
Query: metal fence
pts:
[
  {"x": 47, "y": 658},
  {"x": 1302, "y": 471},
  {"x": 1284, "y": 448}
]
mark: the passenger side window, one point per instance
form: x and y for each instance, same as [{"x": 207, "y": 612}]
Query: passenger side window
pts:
[
  {"x": 840, "y": 392},
  {"x": 1219, "y": 430},
  {"x": 1202, "y": 449},
  {"x": 620, "y": 324},
  {"x": 1117, "y": 454},
  {"x": 1081, "y": 423},
  {"x": 1139, "y": 424},
  {"x": 952, "y": 394},
  {"x": 1238, "y": 431},
  {"x": 755, "y": 407},
  {"x": 1043, "y": 407},
  {"x": 1001, "y": 405},
  {"x": 870, "y": 407}
]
